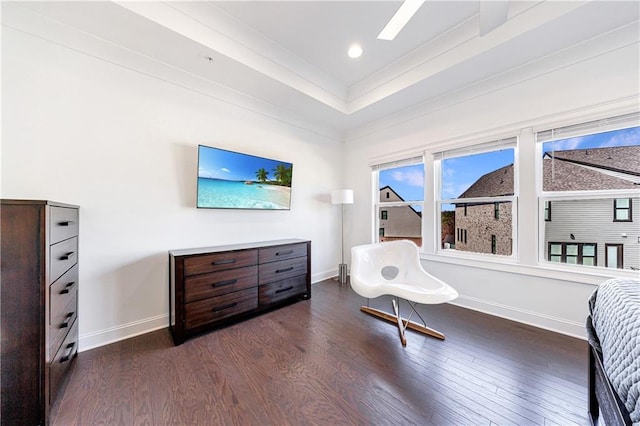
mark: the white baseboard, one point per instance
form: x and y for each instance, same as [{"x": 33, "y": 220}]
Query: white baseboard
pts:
[
  {"x": 147, "y": 325},
  {"x": 324, "y": 275},
  {"x": 122, "y": 332},
  {"x": 536, "y": 319}
]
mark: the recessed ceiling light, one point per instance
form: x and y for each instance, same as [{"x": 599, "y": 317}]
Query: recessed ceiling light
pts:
[
  {"x": 355, "y": 51},
  {"x": 400, "y": 19}
]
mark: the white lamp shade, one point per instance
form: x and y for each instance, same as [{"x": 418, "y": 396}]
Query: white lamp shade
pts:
[{"x": 342, "y": 196}]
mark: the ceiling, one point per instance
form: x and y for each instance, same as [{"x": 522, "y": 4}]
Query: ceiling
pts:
[{"x": 290, "y": 56}]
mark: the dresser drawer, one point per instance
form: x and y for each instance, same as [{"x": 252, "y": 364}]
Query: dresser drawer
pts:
[
  {"x": 284, "y": 252},
  {"x": 217, "y": 308},
  {"x": 203, "y": 286},
  {"x": 276, "y": 271},
  {"x": 281, "y": 290},
  {"x": 61, "y": 363},
  {"x": 62, "y": 322},
  {"x": 63, "y": 307},
  {"x": 63, "y": 256},
  {"x": 63, "y": 224},
  {"x": 220, "y": 261}
]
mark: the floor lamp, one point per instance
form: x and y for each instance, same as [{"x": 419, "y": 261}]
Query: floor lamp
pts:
[{"x": 342, "y": 197}]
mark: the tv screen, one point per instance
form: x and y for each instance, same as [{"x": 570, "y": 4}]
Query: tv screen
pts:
[{"x": 232, "y": 180}]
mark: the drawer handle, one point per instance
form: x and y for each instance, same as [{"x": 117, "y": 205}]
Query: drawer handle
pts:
[
  {"x": 66, "y": 288},
  {"x": 282, "y": 290},
  {"x": 66, "y": 223},
  {"x": 67, "y": 256},
  {"x": 223, "y": 283},
  {"x": 222, "y": 308},
  {"x": 290, "y": 268},
  {"x": 284, "y": 253},
  {"x": 66, "y": 357},
  {"x": 65, "y": 324},
  {"x": 224, "y": 262}
]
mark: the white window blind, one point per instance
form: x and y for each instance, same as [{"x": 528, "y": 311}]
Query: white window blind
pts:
[
  {"x": 591, "y": 127},
  {"x": 477, "y": 149},
  {"x": 397, "y": 163}
]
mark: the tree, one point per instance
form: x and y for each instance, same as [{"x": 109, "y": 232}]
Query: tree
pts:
[
  {"x": 282, "y": 174},
  {"x": 261, "y": 174}
]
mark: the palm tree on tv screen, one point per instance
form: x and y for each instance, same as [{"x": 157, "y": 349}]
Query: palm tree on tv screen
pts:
[
  {"x": 283, "y": 174},
  {"x": 261, "y": 174}
]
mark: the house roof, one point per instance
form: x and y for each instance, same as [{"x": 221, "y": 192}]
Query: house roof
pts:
[
  {"x": 623, "y": 159},
  {"x": 399, "y": 198},
  {"x": 571, "y": 170},
  {"x": 493, "y": 184},
  {"x": 592, "y": 169}
]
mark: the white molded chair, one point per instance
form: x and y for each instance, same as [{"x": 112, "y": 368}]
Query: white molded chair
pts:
[{"x": 393, "y": 268}]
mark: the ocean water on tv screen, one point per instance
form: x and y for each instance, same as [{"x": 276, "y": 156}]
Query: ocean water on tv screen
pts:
[{"x": 217, "y": 193}]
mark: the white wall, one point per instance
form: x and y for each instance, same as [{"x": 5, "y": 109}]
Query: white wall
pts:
[
  {"x": 123, "y": 146},
  {"x": 593, "y": 80}
]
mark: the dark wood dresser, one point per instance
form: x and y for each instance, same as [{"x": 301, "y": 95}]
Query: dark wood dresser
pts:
[
  {"x": 38, "y": 305},
  {"x": 216, "y": 285}
]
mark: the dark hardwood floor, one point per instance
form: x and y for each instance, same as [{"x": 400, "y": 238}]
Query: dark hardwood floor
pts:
[{"x": 322, "y": 361}]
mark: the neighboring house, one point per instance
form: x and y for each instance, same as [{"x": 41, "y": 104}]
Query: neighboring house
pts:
[
  {"x": 486, "y": 227},
  {"x": 601, "y": 232},
  {"x": 398, "y": 222}
]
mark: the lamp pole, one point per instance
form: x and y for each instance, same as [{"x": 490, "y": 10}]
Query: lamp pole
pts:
[
  {"x": 342, "y": 268},
  {"x": 342, "y": 197}
]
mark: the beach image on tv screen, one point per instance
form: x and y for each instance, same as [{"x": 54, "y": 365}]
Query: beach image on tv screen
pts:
[{"x": 232, "y": 180}]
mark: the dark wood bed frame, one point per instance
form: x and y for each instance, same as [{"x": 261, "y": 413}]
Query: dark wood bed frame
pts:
[{"x": 604, "y": 403}]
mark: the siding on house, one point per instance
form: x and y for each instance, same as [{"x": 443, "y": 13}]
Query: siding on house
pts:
[
  {"x": 591, "y": 221},
  {"x": 402, "y": 223}
]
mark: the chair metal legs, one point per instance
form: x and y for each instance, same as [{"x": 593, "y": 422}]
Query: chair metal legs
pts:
[{"x": 402, "y": 323}]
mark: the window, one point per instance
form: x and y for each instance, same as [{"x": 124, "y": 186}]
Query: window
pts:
[
  {"x": 401, "y": 200},
  {"x": 573, "y": 253},
  {"x": 590, "y": 174},
  {"x": 462, "y": 235},
  {"x": 613, "y": 255},
  {"x": 547, "y": 211},
  {"x": 478, "y": 191},
  {"x": 622, "y": 210}
]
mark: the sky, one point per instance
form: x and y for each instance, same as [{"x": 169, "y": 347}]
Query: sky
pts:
[
  {"x": 461, "y": 172},
  {"x": 228, "y": 165},
  {"x": 406, "y": 181}
]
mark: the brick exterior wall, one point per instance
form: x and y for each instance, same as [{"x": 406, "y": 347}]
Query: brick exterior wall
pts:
[{"x": 480, "y": 224}]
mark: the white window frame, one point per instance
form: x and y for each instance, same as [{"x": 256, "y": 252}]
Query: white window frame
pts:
[
  {"x": 480, "y": 148},
  {"x": 376, "y": 167},
  {"x": 543, "y": 136}
]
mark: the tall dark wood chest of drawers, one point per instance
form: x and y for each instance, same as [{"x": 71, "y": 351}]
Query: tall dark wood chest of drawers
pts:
[
  {"x": 38, "y": 305},
  {"x": 215, "y": 285}
]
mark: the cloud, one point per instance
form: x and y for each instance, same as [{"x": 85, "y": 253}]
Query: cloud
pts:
[
  {"x": 454, "y": 189},
  {"x": 224, "y": 169},
  {"x": 628, "y": 137},
  {"x": 448, "y": 172},
  {"x": 567, "y": 144},
  {"x": 410, "y": 177}
]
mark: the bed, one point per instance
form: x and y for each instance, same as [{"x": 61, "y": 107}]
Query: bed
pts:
[{"x": 613, "y": 330}]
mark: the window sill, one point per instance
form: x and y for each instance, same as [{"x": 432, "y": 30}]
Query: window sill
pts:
[{"x": 579, "y": 274}]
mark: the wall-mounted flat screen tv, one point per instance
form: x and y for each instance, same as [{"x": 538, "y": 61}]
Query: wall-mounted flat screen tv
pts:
[{"x": 233, "y": 180}]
